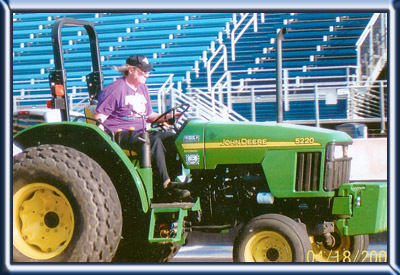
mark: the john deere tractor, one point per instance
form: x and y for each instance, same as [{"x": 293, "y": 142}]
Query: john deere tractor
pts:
[{"x": 283, "y": 189}]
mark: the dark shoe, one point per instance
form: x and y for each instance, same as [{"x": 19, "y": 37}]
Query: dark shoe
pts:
[
  {"x": 177, "y": 193},
  {"x": 184, "y": 184}
]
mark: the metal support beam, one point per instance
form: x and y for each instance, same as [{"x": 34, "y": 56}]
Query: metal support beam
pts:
[
  {"x": 316, "y": 93},
  {"x": 382, "y": 105},
  {"x": 279, "y": 103}
]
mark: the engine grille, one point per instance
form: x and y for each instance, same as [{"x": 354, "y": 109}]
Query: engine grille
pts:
[
  {"x": 308, "y": 171},
  {"x": 336, "y": 172}
]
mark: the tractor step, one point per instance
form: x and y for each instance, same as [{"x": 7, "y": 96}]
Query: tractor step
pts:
[
  {"x": 167, "y": 221},
  {"x": 183, "y": 205}
]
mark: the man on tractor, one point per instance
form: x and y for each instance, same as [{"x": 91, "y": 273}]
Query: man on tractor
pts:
[{"x": 125, "y": 107}]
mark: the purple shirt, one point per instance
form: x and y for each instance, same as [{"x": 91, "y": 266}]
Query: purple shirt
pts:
[{"x": 124, "y": 106}]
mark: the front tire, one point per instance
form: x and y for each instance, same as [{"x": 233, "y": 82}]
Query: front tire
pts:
[
  {"x": 345, "y": 248},
  {"x": 65, "y": 207},
  {"x": 271, "y": 238}
]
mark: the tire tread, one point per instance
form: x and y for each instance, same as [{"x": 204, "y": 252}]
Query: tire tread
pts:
[{"x": 103, "y": 229}]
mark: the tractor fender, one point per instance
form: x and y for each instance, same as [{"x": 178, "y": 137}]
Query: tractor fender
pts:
[{"x": 92, "y": 141}]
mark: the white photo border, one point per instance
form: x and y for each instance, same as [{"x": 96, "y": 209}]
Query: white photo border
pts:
[{"x": 182, "y": 6}]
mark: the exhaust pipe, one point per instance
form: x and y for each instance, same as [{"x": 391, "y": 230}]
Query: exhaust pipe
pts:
[{"x": 279, "y": 103}]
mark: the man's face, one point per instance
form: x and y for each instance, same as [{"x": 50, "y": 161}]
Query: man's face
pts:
[{"x": 140, "y": 75}]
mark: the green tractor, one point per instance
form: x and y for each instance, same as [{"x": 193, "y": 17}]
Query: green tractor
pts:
[{"x": 283, "y": 189}]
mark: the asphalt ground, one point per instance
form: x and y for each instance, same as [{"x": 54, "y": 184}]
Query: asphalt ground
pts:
[{"x": 209, "y": 248}]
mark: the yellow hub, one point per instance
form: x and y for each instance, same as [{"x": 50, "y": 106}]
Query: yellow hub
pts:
[
  {"x": 268, "y": 246},
  {"x": 337, "y": 254},
  {"x": 43, "y": 221}
]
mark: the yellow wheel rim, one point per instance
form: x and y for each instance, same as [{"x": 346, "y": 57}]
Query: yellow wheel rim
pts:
[
  {"x": 267, "y": 246},
  {"x": 43, "y": 221},
  {"x": 323, "y": 254}
]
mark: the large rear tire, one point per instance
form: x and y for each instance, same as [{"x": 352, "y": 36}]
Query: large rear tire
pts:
[
  {"x": 271, "y": 238},
  {"x": 65, "y": 207}
]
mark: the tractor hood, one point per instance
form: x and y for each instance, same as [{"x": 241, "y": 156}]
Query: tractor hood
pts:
[{"x": 204, "y": 144}]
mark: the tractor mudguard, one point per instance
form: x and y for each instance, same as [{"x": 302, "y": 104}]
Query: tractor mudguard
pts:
[{"x": 92, "y": 141}]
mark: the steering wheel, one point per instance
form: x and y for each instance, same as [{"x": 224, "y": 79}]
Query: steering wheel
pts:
[{"x": 172, "y": 121}]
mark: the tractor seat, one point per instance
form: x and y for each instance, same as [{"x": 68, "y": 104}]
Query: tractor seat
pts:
[
  {"x": 90, "y": 112},
  {"x": 132, "y": 154}
]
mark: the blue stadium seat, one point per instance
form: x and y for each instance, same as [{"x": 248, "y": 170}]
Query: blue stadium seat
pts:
[
  {"x": 178, "y": 41},
  {"x": 323, "y": 24},
  {"x": 19, "y": 17},
  {"x": 126, "y": 53},
  {"x": 124, "y": 35},
  {"x": 323, "y": 16},
  {"x": 288, "y": 44},
  {"x": 122, "y": 27}
]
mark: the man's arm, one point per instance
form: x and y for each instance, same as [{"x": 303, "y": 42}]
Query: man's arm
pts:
[
  {"x": 101, "y": 117},
  {"x": 154, "y": 115}
]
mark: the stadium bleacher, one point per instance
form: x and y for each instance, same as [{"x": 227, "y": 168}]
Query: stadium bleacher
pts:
[
  {"x": 180, "y": 43},
  {"x": 174, "y": 42}
]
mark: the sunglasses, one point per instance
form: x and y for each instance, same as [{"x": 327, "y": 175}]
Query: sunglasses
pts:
[{"x": 142, "y": 71}]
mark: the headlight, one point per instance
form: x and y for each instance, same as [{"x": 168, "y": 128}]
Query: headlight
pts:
[{"x": 337, "y": 151}]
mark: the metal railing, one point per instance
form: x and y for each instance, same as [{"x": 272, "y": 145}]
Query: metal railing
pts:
[
  {"x": 212, "y": 109},
  {"x": 372, "y": 49},
  {"x": 39, "y": 101},
  {"x": 162, "y": 91},
  {"x": 363, "y": 104},
  {"x": 211, "y": 68},
  {"x": 369, "y": 101},
  {"x": 235, "y": 38},
  {"x": 201, "y": 104},
  {"x": 77, "y": 95}
]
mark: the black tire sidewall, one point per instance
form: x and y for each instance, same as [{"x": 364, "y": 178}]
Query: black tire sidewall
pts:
[{"x": 359, "y": 244}]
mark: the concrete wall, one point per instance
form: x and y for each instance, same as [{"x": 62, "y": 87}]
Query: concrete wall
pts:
[{"x": 369, "y": 159}]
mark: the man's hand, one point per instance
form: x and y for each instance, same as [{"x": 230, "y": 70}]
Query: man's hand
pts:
[
  {"x": 165, "y": 120},
  {"x": 166, "y": 125},
  {"x": 171, "y": 116},
  {"x": 101, "y": 118}
]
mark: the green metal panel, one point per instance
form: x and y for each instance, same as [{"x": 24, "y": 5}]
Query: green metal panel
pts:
[
  {"x": 279, "y": 168},
  {"x": 244, "y": 142},
  {"x": 234, "y": 144},
  {"x": 368, "y": 202},
  {"x": 180, "y": 212},
  {"x": 342, "y": 205},
  {"x": 146, "y": 175},
  {"x": 95, "y": 143},
  {"x": 272, "y": 145},
  {"x": 190, "y": 144},
  {"x": 280, "y": 171}
]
